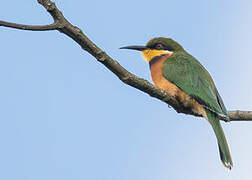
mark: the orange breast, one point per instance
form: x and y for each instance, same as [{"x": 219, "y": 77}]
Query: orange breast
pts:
[
  {"x": 161, "y": 82},
  {"x": 158, "y": 78}
]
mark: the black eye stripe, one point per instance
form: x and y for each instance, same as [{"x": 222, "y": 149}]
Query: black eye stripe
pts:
[
  {"x": 160, "y": 46},
  {"x": 157, "y": 46}
]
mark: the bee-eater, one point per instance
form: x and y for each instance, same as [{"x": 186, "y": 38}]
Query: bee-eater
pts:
[{"x": 183, "y": 77}]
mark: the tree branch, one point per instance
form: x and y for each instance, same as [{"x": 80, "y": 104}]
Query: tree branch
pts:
[
  {"x": 30, "y": 27},
  {"x": 240, "y": 115},
  {"x": 61, "y": 24}
]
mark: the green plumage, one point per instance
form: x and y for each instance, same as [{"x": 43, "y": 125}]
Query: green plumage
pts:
[
  {"x": 222, "y": 142},
  {"x": 189, "y": 75}
]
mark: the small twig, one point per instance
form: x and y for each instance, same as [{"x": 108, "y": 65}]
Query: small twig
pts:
[
  {"x": 30, "y": 27},
  {"x": 61, "y": 24}
]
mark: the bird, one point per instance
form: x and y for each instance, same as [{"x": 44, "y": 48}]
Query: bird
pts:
[{"x": 180, "y": 74}]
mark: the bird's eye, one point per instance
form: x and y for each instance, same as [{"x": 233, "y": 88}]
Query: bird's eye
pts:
[{"x": 159, "y": 46}]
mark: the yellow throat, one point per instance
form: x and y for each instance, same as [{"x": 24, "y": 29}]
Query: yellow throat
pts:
[{"x": 149, "y": 54}]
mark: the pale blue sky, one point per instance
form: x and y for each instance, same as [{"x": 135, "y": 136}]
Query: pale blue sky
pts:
[{"x": 65, "y": 116}]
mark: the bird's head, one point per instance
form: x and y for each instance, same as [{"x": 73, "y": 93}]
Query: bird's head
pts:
[{"x": 157, "y": 47}]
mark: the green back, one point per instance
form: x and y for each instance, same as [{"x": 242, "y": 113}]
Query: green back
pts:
[{"x": 188, "y": 74}]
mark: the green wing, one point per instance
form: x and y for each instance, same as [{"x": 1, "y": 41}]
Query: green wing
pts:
[{"x": 189, "y": 75}]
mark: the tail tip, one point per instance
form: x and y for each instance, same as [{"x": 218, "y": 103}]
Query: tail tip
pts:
[{"x": 229, "y": 165}]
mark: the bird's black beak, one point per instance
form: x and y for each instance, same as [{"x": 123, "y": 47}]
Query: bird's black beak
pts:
[{"x": 138, "y": 48}]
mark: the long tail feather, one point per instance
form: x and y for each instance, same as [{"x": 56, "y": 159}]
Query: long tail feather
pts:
[{"x": 222, "y": 142}]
